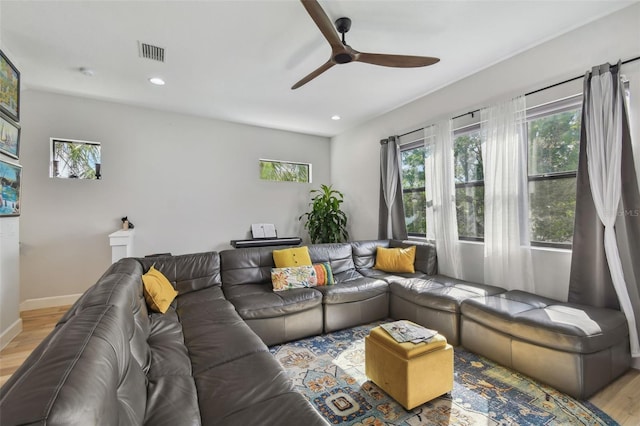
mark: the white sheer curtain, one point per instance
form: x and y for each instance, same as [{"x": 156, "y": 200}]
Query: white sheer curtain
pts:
[
  {"x": 603, "y": 122},
  {"x": 440, "y": 192},
  {"x": 507, "y": 255}
]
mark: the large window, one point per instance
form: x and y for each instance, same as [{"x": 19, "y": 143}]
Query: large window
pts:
[
  {"x": 553, "y": 150},
  {"x": 413, "y": 188},
  {"x": 469, "y": 179},
  {"x": 553, "y": 145}
]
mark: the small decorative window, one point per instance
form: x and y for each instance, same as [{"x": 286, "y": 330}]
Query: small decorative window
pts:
[
  {"x": 285, "y": 171},
  {"x": 72, "y": 159}
]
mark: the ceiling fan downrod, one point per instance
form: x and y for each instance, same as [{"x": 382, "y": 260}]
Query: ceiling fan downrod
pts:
[{"x": 343, "y": 25}]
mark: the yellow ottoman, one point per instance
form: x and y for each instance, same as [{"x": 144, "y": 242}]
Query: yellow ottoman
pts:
[{"x": 412, "y": 374}]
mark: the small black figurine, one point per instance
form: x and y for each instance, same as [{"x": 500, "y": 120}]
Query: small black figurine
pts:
[{"x": 126, "y": 224}]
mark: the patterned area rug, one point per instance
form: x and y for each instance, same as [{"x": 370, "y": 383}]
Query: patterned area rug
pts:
[{"x": 329, "y": 371}]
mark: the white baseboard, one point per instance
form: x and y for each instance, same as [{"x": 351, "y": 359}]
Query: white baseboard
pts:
[
  {"x": 635, "y": 363},
  {"x": 11, "y": 332},
  {"x": 49, "y": 302}
]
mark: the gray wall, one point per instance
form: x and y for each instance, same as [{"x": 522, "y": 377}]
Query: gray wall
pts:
[
  {"x": 188, "y": 184},
  {"x": 355, "y": 154}
]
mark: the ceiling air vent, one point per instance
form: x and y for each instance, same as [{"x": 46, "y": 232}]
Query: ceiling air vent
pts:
[{"x": 150, "y": 51}]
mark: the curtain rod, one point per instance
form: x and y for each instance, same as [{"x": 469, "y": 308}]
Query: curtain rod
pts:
[{"x": 526, "y": 94}]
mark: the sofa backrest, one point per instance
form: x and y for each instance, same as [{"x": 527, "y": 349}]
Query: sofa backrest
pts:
[
  {"x": 426, "y": 259},
  {"x": 83, "y": 375},
  {"x": 187, "y": 272},
  {"x": 246, "y": 266},
  {"x": 253, "y": 265},
  {"x": 364, "y": 254},
  {"x": 121, "y": 286},
  {"x": 339, "y": 256}
]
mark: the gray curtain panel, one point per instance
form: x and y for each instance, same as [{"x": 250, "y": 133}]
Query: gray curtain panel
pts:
[
  {"x": 590, "y": 280},
  {"x": 391, "y": 223}
]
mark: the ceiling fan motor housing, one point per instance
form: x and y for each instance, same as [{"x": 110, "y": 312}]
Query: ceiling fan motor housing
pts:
[{"x": 343, "y": 25}]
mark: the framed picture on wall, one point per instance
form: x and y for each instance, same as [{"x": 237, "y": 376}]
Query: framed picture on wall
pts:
[
  {"x": 10, "y": 175},
  {"x": 9, "y": 88},
  {"x": 9, "y": 137}
]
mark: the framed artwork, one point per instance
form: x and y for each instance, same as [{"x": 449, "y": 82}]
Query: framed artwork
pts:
[
  {"x": 9, "y": 137},
  {"x": 9, "y": 88},
  {"x": 10, "y": 175}
]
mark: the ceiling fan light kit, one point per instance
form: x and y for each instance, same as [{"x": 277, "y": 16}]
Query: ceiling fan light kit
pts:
[{"x": 342, "y": 53}]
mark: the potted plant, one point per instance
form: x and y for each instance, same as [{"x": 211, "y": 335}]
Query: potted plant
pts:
[{"x": 326, "y": 223}]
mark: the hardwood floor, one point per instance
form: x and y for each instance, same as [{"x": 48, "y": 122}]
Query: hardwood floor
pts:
[{"x": 620, "y": 400}]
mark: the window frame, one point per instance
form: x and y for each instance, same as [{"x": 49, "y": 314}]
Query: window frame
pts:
[
  {"x": 569, "y": 103},
  {"x": 297, "y": 163},
  {"x": 461, "y": 131},
  {"x": 54, "y": 173},
  {"x": 414, "y": 144}
]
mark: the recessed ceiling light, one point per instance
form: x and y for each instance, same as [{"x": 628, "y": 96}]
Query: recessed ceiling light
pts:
[
  {"x": 157, "y": 81},
  {"x": 335, "y": 117}
]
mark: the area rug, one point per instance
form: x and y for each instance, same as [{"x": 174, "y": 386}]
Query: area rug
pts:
[{"x": 329, "y": 371}]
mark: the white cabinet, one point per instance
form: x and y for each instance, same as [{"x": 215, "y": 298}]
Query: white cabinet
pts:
[{"x": 121, "y": 244}]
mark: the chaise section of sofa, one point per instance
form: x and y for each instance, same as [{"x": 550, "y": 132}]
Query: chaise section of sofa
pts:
[
  {"x": 435, "y": 301},
  {"x": 422, "y": 296},
  {"x": 576, "y": 349}
]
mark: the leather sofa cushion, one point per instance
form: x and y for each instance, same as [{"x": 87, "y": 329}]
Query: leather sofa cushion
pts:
[
  {"x": 253, "y": 301},
  {"x": 218, "y": 331},
  {"x": 169, "y": 356},
  {"x": 547, "y": 322},
  {"x": 89, "y": 356},
  {"x": 246, "y": 266},
  {"x": 364, "y": 252},
  {"x": 169, "y": 380},
  {"x": 339, "y": 256},
  {"x": 223, "y": 389},
  {"x": 439, "y": 292},
  {"x": 168, "y": 403},
  {"x": 390, "y": 277},
  {"x": 273, "y": 410},
  {"x": 188, "y": 272},
  {"x": 355, "y": 290}
]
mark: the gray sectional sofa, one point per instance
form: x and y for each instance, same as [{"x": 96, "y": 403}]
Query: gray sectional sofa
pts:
[{"x": 110, "y": 361}]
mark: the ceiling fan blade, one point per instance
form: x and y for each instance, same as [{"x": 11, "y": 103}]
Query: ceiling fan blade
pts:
[
  {"x": 322, "y": 21},
  {"x": 314, "y": 74},
  {"x": 399, "y": 61}
]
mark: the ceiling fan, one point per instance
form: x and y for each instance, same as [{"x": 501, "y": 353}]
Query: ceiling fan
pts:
[{"x": 342, "y": 53}]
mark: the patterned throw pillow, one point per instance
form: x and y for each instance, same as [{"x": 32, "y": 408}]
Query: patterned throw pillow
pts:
[
  {"x": 293, "y": 277},
  {"x": 323, "y": 272}
]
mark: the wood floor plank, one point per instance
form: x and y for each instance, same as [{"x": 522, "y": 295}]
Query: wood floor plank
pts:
[{"x": 620, "y": 399}]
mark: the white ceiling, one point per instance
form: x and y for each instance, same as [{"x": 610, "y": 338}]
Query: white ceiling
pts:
[{"x": 236, "y": 60}]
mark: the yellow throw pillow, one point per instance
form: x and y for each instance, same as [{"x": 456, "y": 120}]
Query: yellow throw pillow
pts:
[
  {"x": 395, "y": 259},
  {"x": 158, "y": 291},
  {"x": 291, "y": 257}
]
